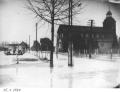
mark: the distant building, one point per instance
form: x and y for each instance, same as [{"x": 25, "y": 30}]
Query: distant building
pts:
[
  {"x": 23, "y": 46},
  {"x": 101, "y": 39},
  {"x": 46, "y": 44},
  {"x": 36, "y": 46},
  {"x": 14, "y": 47}
]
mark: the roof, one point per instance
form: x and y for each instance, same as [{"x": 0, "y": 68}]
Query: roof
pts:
[
  {"x": 75, "y": 28},
  {"x": 23, "y": 44},
  {"x": 13, "y": 44},
  {"x": 109, "y": 13}
]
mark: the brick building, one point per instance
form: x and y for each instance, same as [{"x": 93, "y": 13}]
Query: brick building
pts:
[{"x": 100, "y": 39}]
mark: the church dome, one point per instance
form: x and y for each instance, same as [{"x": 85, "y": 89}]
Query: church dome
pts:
[
  {"x": 109, "y": 23},
  {"x": 109, "y": 18},
  {"x": 109, "y": 13}
]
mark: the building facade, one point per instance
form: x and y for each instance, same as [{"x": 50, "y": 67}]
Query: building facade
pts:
[{"x": 84, "y": 38}]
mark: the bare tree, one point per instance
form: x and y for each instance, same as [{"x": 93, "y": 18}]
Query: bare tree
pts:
[{"x": 53, "y": 12}]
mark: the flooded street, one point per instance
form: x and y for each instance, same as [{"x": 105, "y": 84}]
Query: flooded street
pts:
[{"x": 84, "y": 74}]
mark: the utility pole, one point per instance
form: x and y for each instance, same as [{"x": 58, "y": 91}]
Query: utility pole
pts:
[
  {"x": 36, "y": 37},
  {"x": 70, "y": 61},
  {"x": 29, "y": 43},
  {"x": 90, "y": 37}
]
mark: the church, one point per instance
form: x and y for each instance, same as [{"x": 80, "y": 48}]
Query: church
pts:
[{"x": 98, "y": 39}]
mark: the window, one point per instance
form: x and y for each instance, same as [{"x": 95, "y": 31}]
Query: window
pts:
[
  {"x": 97, "y": 36},
  {"x": 102, "y": 36},
  {"x": 92, "y": 35},
  {"x": 81, "y": 35},
  {"x": 86, "y": 35}
]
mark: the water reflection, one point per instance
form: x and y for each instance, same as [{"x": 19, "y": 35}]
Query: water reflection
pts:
[
  {"x": 70, "y": 81},
  {"x": 111, "y": 76},
  {"x": 106, "y": 78},
  {"x": 16, "y": 68},
  {"x": 60, "y": 77},
  {"x": 51, "y": 77}
]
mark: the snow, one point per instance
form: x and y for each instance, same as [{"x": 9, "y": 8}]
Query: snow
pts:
[{"x": 99, "y": 72}]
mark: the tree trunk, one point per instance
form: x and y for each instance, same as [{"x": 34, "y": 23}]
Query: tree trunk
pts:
[{"x": 52, "y": 35}]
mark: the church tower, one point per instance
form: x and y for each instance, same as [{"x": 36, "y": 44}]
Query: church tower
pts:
[
  {"x": 109, "y": 28},
  {"x": 109, "y": 24}
]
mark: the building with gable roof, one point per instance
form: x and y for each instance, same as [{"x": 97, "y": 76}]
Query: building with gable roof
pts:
[{"x": 102, "y": 39}]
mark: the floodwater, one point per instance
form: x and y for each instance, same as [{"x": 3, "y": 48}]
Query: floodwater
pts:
[{"x": 39, "y": 75}]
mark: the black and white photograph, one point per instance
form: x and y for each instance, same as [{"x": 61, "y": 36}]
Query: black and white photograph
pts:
[{"x": 59, "y": 44}]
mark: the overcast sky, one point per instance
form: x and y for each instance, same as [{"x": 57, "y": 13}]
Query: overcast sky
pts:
[{"x": 17, "y": 23}]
